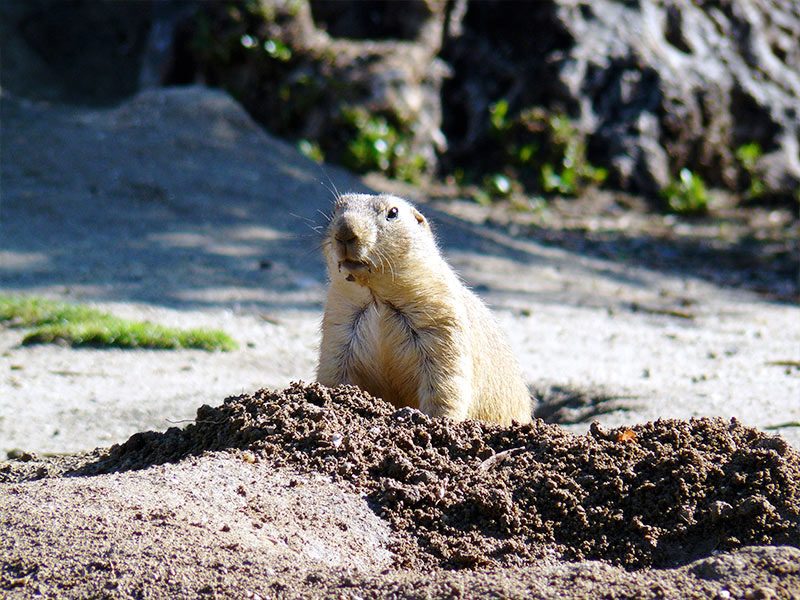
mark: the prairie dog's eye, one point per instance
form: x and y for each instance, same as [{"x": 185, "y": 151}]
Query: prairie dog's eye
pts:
[{"x": 392, "y": 214}]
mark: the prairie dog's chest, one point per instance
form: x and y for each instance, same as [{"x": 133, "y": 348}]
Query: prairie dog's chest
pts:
[
  {"x": 366, "y": 332},
  {"x": 382, "y": 334},
  {"x": 386, "y": 355}
]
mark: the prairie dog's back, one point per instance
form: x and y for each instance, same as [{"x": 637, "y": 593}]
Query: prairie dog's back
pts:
[{"x": 501, "y": 385}]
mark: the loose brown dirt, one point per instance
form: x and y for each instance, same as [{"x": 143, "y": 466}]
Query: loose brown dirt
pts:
[
  {"x": 473, "y": 494},
  {"x": 477, "y": 506}
]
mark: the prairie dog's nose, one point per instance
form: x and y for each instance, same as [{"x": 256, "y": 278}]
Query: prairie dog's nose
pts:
[{"x": 345, "y": 232}]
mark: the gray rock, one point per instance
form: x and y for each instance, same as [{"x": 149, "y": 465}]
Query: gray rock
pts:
[
  {"x": 657, "y": 86},
  {"x": 310, "y": 93}
]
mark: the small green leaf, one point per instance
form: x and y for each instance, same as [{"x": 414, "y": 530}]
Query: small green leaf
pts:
[{"x": 498, "y": 113}]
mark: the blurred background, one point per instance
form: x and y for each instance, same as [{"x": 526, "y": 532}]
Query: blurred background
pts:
[
  {"x": 684, "y": 109},
  {"x": 663, "y": 99}
]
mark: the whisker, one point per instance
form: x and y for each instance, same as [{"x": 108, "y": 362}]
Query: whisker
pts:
[
  {"x": 337, "y": 195},
  {"x": 380, "y": 258},
  {"x": 332, "y": 189},
  {"x": 325, "y": 216},
  {"x": 295, "y": 215},
  {"x": 310, "y": 223},
  {"x": 329, "y": 189},
  {"x": 389, "y": 263},
  {"x": 318, "y": 229}
]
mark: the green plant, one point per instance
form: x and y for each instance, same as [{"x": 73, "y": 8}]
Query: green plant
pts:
[
  {"x": 274, "y": 48},
  {"x": 79, "y": 325},
  {"x": 374, "y": 142},
  {"x": 377, "y": 145},
  {"x": 686, "y": 195},
  {"x": 540, "y": 151},
  {"x": 311, "y": 150},
  {"x": 748, "y": 156},
  {"x": 498, "y": 116},
  {"x": 277, "y": 50},
  {"x": 496, "y": 186},
  {"x": 235, "y": 45},
  {"x": 481, "y": 196},
  {"x": 571, "y": 171},
  {"x": 499, "y": 185},
  {"x": 410, "y": 168}
]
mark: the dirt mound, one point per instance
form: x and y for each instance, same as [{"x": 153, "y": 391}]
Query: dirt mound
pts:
[{"x": 472, "y": 494}]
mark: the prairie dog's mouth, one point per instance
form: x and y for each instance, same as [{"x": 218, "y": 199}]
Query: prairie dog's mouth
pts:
[{"x": 353, "y": 265}]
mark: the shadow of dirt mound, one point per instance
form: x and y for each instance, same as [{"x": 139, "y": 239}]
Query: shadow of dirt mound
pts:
[
  {"x": 469, "y": 494},
  {"x": 566, "y": 405}
]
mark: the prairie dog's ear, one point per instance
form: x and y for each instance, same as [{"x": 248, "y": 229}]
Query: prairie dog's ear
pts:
[{"x": 418, "y": 216}]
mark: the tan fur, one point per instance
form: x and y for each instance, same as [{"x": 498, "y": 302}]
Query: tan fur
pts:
[{"x": 400, "y": 324}]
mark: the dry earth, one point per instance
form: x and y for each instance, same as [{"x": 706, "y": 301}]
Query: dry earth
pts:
[{"x": 177, "y": 208}]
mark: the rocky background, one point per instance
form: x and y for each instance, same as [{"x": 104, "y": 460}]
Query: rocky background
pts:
[{"x": 541, "y": 97}]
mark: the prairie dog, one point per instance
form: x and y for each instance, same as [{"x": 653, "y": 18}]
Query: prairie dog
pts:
[{"x": 400, "y": 324}]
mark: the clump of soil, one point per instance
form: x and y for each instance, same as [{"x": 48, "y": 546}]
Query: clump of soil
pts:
[{"x": 470, "y": 494}]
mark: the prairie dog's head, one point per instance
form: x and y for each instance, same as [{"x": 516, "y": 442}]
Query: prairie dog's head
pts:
[{"x": 371, "y": 237}]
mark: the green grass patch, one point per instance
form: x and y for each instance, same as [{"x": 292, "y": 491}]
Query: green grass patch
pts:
[{"x": 77, "y": 325}]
